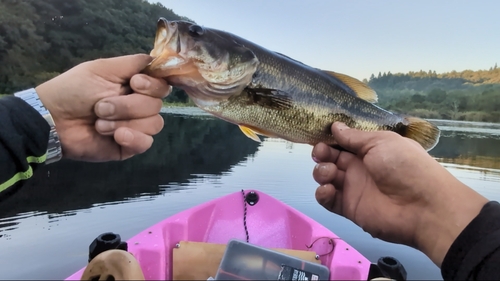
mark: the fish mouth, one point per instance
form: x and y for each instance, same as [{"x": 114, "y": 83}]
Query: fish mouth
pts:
[
  {"x": 168, "y": 59},
  {"x": 204, "y": 64}
]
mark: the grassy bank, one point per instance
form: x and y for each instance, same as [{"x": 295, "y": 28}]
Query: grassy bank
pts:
[
  {"x": 473, "y": 116},
  {"x": 176, "y": 104},
  {"x": 190, "y": 103}
]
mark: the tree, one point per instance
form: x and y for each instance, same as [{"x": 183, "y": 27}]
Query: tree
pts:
[
  {"x": 20, "y": 44},
  {"x": 436, "y": 95},
  {"x": 417, "y": 98},
  {"x": 40, "y": 39},
  {"x": 455, "y": 105}
]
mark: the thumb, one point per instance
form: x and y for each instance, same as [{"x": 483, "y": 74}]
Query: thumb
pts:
[
  {"x": 353, "y": 140},
  {"x": 123, "y": 67}
]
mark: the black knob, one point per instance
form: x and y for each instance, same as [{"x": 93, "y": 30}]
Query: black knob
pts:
[
  {"x": 392, "y": 268},
  {"x": 252, "y": 198},
  {"x": 104, "y": 242}
]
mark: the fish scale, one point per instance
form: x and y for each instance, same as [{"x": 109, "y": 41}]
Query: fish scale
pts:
[{"x": 271, "y": 94}]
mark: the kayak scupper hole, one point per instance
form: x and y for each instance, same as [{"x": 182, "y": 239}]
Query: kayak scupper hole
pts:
[
  {"x": 389, "y": 261},
  {"x": 108, "y": 237}
]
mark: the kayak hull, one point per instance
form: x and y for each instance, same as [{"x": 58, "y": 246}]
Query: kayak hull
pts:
[{"x": 250, "y": 214}]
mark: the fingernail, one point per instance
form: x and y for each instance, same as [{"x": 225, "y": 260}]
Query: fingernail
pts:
[
  {"x": 323, "y": 169},
  {"x": 106, "y": 126},
  {"x": 323, "y": 188},
  {"x": 128, "y": 137},
  {"x": 315, "y": 159},
  {"x": 142, "y": 83},
  {"x": 105, "y": 109}
]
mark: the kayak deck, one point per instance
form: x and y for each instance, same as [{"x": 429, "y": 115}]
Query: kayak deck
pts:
[{"x": 251, "y": 216}]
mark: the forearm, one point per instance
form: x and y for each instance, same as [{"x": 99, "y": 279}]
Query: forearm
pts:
[{"x": 24, "y": 136}]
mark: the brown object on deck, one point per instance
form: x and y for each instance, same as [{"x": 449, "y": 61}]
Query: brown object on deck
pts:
[
  {"x": 119, "y": 264},
  {"x": 199, "y": 260}
]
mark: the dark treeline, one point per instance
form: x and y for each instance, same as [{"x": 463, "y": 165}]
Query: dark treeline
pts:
[
  {"x": 467, "y": 95},
  {"x": 40, "y": 39},
  {"x": 183, "y": 150}
]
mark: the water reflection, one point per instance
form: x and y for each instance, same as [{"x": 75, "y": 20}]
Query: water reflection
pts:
[
  {"x": 185, "y": 149},
  {"x": 197, "y": 158},
  {"x": 468, "y": 144}
]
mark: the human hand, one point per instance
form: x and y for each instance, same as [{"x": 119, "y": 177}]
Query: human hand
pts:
[
  {"x": 394, "y": 190},
  {"x": 104, "y": 109}
]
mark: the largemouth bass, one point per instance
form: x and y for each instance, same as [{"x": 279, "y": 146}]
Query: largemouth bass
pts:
[{"x": 267, "y": 93}]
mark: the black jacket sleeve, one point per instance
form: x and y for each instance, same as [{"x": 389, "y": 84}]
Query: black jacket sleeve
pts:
[
  {"x": 475, "y": 254},
  {"x": 24, "y": 135}
]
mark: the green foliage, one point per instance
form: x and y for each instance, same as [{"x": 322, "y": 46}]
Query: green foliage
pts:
[
  {"x": 467, "y": 95},
  {"x": 177, "y": 96},
  {"x": 39, "y": 39}
]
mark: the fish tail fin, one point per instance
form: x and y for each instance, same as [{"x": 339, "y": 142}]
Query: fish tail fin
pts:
[{"x": 423, "y": 132}]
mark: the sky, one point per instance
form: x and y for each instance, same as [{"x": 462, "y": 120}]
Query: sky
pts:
[{"x": 361, "y": 37}]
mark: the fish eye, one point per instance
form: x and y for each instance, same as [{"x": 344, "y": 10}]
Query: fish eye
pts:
[{"x": 196, "y": 30}]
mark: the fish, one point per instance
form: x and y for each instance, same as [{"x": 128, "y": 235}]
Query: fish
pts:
[{"x": 267, "y": 93}]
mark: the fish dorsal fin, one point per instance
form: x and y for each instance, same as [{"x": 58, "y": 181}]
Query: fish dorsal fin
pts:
[{"x": 362, "y": 90}]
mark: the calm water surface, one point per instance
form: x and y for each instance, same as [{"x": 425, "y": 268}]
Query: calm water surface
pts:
[{"x": 45, "y": 229}]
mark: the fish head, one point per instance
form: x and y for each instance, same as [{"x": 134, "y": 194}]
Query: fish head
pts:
[{"x": 201, "y": 61}]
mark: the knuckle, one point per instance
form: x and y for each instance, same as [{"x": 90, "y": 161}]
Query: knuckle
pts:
[
  {"x": 97, "y": 62},
  {"x": 129, "y": 103}
]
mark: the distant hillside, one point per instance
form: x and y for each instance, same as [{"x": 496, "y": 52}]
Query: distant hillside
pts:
[
  {"x": 424, "y": 81},
  {"x": 467, "y": 95},
  {"x": 40, "y": 39}
]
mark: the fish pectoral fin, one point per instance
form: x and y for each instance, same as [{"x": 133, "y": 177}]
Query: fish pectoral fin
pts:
[
  {"x": 362, "y": 90},
  {"x": 249, "y": 133},
  {"x": 270, "y": 98},
  {"x": 252, "y": 132}
]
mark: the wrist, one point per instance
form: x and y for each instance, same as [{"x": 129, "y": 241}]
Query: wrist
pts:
[
  {"x": 54, "y": 149},
  {"x": 454, "y": 206}
]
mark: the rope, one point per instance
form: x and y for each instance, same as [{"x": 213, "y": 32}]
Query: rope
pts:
[
  {"x": 245, "y": 215},
  {"x": 330, "y": 241}
]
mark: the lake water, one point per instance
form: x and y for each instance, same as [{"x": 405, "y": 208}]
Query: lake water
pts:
[{"x": 46, "y": 228}]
